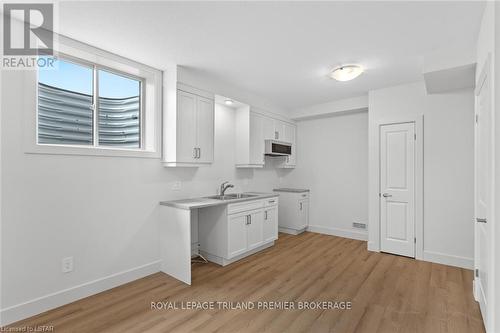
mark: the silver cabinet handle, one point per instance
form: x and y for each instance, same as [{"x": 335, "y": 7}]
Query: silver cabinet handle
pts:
[
  {"x": 265, "y": 215},
  {"x": 272, "y": 201},
  {"x": 481, "y": 220},
  {"x": 199, "y": 152},
  {"x": 195, "y": 153},
  {"x": 387, "y": 195}
]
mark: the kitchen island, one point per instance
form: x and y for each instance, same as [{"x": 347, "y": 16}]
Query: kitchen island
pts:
[{"x": 230, "y": 228}]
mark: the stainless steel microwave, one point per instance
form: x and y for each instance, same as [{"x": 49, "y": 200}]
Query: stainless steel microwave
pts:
[{"x": 277, "y": 148}]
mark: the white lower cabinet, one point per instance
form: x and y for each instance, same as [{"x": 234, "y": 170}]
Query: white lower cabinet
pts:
[{"x": 229, "y": 233}]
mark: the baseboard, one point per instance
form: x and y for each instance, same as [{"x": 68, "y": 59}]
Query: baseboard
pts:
[
  {"x": 41, "y": 304},
  {"x": 291, "y": 231},
  {"x": 346, "y": 233},
  {"x": 372, "y": 247},
  {"x": 450, "y": 260}
]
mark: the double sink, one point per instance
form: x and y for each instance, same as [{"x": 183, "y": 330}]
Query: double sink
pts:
[{"x": 232, "y": 196}]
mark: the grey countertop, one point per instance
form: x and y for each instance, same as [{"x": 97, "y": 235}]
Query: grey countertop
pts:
[
  {"x": 194, "y": 203},
  {"x": 293, "y": 190}
]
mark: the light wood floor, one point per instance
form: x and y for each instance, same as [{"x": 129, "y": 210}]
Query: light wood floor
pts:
[{"x": 388, "y": 294}]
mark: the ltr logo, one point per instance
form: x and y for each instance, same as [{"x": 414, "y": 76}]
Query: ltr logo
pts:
[{"x": 34, "y": 35}]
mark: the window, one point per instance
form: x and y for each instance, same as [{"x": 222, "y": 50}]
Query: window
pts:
[
  {"x": 93, "y": 102},
  {"x": 68, "y": 99}
]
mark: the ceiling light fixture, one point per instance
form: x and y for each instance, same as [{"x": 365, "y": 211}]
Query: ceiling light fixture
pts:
[
  {"x": 228, "y": 102},
  {"x": 346, "y": 72}
]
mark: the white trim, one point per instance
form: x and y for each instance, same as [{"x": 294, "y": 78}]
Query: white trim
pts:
[
  {"x": 151, "y": 117},
  {"x": 41, "y": 304},
  {"x": 346, "y": 233},
  {"x": 448, "y": 259}
]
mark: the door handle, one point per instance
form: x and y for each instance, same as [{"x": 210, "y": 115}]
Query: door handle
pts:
[
  {"x": 199, "y": 152},
  {"x": 265, "y": 215},
  {"x": 481, "y": 220},
  {"x": 301, "y": 206},
  {"x": 195, "y": 153},
  {"x": 387, "y": 195}
]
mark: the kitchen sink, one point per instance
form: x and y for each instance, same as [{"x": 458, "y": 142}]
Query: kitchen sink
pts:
[{"x": 232, "y": 196}]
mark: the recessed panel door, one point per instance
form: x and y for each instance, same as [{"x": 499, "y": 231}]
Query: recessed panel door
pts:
[
  {"x": 483, "y": 190},
  {"x": 397, "y": 184},
  {"x": 186, "y": 126},
  {"x": 205, "y": 129}
]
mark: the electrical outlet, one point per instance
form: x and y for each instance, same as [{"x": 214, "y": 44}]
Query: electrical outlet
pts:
[
  {"x": 177, "y": 185},
  {"x": 67, "y": 265}
]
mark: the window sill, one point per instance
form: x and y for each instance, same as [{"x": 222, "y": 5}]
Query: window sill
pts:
[{"x": 90, "y": 151}]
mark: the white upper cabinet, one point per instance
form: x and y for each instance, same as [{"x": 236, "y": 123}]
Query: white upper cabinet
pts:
[
  {"x": 249, "y": 138},
  {"x": 289, "y": 135},
  {"x": 252, "y": 129},
  {"x": 189, "y": 129},
  {"x": 268, "y": 128}
]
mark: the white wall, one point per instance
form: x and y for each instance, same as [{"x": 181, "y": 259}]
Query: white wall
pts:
[
  {"x": 333, "y": 163},
  {"x": 448, "y": 167},
  {"x": 103, "y": 211}
]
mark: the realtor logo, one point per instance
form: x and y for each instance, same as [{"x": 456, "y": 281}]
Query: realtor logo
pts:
[{"x": 33, "y": 37}]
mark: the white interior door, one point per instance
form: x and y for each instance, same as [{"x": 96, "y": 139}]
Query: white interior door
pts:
[
  {"x": 397, "y": 188},
  {"x": 483, "y": 188}
]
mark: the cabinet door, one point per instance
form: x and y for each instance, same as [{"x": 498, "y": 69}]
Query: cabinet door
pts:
[
  {"x": 268, "y": 128},
  {"x": 288, "y": 132},
  {"x": 186, "y": 126},
  {"x": 279, "y": 130},
  {"x": 304, "y": 213},
  {"x": 237, "y": 234},
  {"x": 256, "y": 139},
  {"x": 205, "y": 129},
  {"x": 255, "y": 232},
  {"x": 270, "y": 224},
  {"x": 291, "y": 135}
]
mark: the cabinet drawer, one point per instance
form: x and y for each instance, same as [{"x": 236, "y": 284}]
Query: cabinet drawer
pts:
[
  {"x": 271, "y": 202},
  {"x": 244, "y": 206}
]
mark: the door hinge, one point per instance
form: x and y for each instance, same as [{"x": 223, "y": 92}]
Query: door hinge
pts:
[{"x": 477, "y": 272}]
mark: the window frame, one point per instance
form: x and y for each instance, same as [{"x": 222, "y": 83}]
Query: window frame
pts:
[{"x": 150, "y": 113}]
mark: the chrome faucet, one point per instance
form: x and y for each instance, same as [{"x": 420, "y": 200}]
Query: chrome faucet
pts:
[{"x": 224, "y": 187}]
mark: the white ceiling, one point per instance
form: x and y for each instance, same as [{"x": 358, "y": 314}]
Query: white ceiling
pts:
[{"x": 281, "y": 51}]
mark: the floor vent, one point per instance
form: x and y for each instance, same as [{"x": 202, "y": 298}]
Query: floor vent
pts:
[{"x": 358, "y": 225}]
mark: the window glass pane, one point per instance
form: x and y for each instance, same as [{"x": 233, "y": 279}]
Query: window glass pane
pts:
[
  {"x": 119, "y": 108},
  {"x": 65, "y": 104}
]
